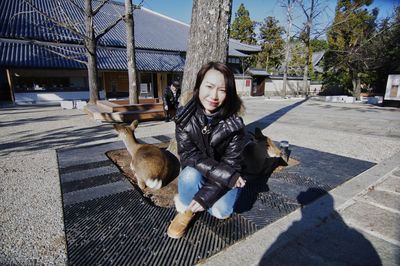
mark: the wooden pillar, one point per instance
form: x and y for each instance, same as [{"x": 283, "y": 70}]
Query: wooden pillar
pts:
[
  {"x": 104, "y": 85},
  {"x": 10, "y": 84}
]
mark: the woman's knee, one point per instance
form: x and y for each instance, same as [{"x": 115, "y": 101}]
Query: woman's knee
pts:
[
  {"x": 221, "y": 212},
  {"x": 223, "y": 208},
  {"x": 190, "y": 176}
]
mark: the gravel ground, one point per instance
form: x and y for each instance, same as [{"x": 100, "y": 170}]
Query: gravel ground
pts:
[
  {"x": 31, "y": 229},
  {"x": 31, "y": 224}
]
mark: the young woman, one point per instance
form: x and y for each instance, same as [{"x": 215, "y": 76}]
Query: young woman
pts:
[{"x": 210, "y": 138}]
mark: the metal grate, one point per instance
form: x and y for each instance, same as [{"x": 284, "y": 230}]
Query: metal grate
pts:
[
  {"x": 117, "y": 225},
  {"x": 124, "y": 229},
  {"x": 84, "y": 166},
  {"x": 300, "y": 180}
]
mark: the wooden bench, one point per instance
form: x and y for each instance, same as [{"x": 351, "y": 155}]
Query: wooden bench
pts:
[{"x": 122, "y": 111}]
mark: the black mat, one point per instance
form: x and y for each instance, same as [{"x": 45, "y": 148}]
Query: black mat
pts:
[{"x": 107, "y": 221}]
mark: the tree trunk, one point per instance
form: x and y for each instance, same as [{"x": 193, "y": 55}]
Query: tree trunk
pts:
[
  {"x": 309, "y": 22},
  {"x": 306, "y": 85},
  {"x": 355, "y": 80},
  {"x": 130, "y": 51},
  {"x": 91, "y": 54},
  {"x": 305, "y": 79},
  {"x": 287, "y": 46},
  {"x": 267, "y": 65},
  {"x": 208, "y": 40}
]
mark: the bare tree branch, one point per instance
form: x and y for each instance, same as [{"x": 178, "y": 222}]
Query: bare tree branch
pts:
[
  {"x": 62, "y": 54},
  {"x": 104, "y": 31},
  {"x": 100, "y": 6},
  {"x": 55, "y": 21},
  {"x": 77, "y": 6}
]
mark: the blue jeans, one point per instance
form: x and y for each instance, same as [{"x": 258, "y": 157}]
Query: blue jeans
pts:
[{"x": 189, "y": 183}]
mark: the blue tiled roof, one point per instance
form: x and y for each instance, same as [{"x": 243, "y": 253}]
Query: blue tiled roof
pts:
[
  {"x": 27, "y": 54},
  {"x": 153, "y": 32},
  {"x": 242, "y": 47},
  {"x": 257, "y": 72},
  {"x": 316, "y": 58}
]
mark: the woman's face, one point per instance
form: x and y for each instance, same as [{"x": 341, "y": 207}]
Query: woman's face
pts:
[{"x": 212, "y": 92}]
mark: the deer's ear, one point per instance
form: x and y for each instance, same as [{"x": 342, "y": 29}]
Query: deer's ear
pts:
[
  {"x": 251, "y": 134},
  {"x": 258, "y": 134},
  {"x": 134, "y": 124},
  {"x": 117, "y": 127}
]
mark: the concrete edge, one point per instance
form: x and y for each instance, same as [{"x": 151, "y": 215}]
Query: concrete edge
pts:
[{"x": 252, "y": 248}]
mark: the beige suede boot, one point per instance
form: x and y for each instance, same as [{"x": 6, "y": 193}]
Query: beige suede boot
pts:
[{"x": 178, "y": 226}]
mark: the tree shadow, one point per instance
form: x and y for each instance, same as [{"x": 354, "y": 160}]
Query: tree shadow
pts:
[
  {"x": 257, "y": 183},
  {"x": 320, "y": 239},
  {"x": 55, "y": 138},
  {"x": 267, "y": 120}
]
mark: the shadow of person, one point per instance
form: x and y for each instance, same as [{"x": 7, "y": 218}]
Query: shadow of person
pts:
[{"x": 320, "y": 241}]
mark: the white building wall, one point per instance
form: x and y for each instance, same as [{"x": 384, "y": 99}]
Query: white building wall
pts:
[
  {"x": 315, "y": 89},
  {"x": 243, "y": 86},
  {"x": 53, "y": 97},
  {"x": 274, "y": 87}
]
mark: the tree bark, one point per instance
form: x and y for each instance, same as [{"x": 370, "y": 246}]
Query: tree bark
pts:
[
  {"x": 356, "y": 81},
  {"x": 307, "y": 43},
  {"x": 287, "y": 46},
  {"x": 208, "y": 40},
  {"x": 130, "y": 51},
  {"x": 91, "y": 54}
]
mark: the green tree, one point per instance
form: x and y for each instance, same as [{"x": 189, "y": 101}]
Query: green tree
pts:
[
  {"x": 272, "y": 44},
  {"x": 297, "y": 58},
  {"x": 349, "y": 38},
  {"x": 385, "y": 48},
  {"x": 243, "y": 28},
  {"x": 318, "y": 45}
]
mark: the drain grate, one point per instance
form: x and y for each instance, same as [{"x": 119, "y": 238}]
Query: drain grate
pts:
[
  {"x": 124, "y": 229},
  {"x": 300, "y": 180},
  {"x": 91, "y": 182},
  {"x": 109, "y": 222},
  {"x": 84, "y": 166}
]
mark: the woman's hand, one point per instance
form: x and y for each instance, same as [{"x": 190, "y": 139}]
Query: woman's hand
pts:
[
  {"x": 194, "y": 206},
  {"x": 240, "y": 182}
]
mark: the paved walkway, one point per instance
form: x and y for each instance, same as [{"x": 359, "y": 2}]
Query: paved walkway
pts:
[
  {"x": 360, "y": 213},
  {"x": 355, "y": 224}
]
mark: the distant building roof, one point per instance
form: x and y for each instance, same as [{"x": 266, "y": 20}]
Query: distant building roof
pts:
[
  {"x": 316, "y": 59},
  {"x": 242, "y": 47},
  {"x": 278, "y": 77},
  {"x": 28, "y": 54},
  {"x": 257, "y": 72},
  {"x": 153, "y": 31}
]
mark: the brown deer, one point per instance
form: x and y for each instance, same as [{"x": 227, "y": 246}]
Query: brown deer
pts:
[
  {"x": 148, "y": 162},
  {"x": 261, "y": 157}
]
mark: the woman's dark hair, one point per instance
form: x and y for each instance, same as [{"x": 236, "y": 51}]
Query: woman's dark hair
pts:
[{"x": 232, "y": 103}]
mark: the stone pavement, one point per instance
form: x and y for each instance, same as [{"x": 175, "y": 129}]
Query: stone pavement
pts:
[
  {"x": 356, "y": 223},
  {"x": 360, "y": 213}
]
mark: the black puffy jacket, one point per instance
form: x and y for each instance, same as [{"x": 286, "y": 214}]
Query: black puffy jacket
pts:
[
  {"x": 213, "y": 147},
  {"x": 169, "y": 99}
]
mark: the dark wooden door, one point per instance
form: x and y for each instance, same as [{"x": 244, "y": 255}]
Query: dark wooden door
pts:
[{"x": 258, "y": 86}]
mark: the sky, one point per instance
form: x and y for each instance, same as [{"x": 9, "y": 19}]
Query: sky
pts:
[{"x": 259, "y": 9}]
